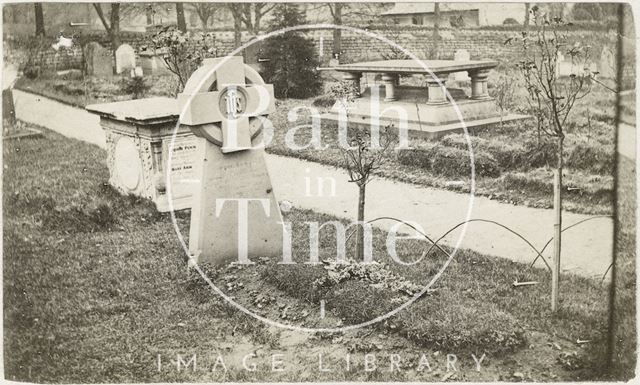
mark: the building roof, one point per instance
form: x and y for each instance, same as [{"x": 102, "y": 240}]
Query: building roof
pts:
[{"x": 416, "y": 8}]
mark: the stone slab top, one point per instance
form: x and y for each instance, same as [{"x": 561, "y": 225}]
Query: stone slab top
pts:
[
  {"x": 151, "y": 110},
  {"x": 415, "y": 67}
]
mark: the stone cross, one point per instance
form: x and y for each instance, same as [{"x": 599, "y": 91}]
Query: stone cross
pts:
[
  {"x": 231, "y": 104},
  {"x": 235, "y": 214}
]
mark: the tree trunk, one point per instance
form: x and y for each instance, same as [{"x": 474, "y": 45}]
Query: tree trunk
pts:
[
  {"x": 237, "y": 32},
  {"x": 527, "y": 8},
  {"x": 204, "y": 19},
  {"x": 436, "y": 31},
  {"x": 39, "y": 19},
  {"x": 360, "y": 228},
  {"x": 182, "y": 23},
  {"x": 149, "y": 13},
  {"x": 557, "y": 228},
  {"x": 337, "y": 32},
  {"x": 114, "y": 31}
]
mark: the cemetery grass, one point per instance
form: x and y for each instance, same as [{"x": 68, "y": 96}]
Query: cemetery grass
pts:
[
  {"x": 96, "y": 288},
  {"x": 78, "y": 91}
]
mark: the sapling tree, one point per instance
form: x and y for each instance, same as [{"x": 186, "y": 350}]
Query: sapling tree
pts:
[
  {"x": 183, "y": 52},
  {"x": 552, "y": 99},
  {"x": 504, "y": 93},
  {"x": 362, "y": 158}
]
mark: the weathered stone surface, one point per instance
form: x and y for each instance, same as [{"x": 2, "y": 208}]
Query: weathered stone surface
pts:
[
  {"x": 218, "y": 217},
  {"x": 143, "y": 154},
  {"x": 423, "y": 111},
  {"x": 99, "y": 60},
  {"x": 125, "y": 58},
  {"x": 607, "y": 65},
  {"x": 461, "y": 55},
  {"x": 152, "y": 63}
]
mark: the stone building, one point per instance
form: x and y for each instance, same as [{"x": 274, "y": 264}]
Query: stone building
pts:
[{"x": 457, "y": 14}]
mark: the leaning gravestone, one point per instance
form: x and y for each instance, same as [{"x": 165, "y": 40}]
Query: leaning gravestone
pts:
[
  {"x": 235, "y": 214},
  {"x": 125, "y": 58}
]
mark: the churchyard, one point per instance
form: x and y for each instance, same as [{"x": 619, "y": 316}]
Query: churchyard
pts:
[
  {"x": 516, "y": 173},
  {"x": 115, "y": 272}
]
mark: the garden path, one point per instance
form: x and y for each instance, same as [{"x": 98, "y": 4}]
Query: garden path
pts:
[{"x": 586, "y": 248}]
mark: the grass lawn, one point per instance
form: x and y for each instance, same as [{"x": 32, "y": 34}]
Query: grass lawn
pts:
[
  {"x": 96, "y": 289},
  {"x": 512, "y": 163},
  {"x": 76, "y": 91}
]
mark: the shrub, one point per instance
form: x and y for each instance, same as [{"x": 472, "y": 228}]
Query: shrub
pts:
[
  {"x": 450, "y": 322},
  {"x": 598, "y": 160},
  {"x": 135, "y": 86},
  {"x": 520, "y": 181},
  {"x": 449, "y": 161},
  {"x": 292, "y": 65},
  {"x": 510, "y": 21},
  {"x": 34, "y": 62},
  {"x": 326, "y": 100}
]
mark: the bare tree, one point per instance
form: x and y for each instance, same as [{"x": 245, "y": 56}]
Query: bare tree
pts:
[
  {"x": 250, "y": 15},
  {"x": 553, "y": 99},
  {"x": 149, "y": 12},
  {"x": 39, "y": 19},
  {"x": 436, "y": 31},
  {"x": 341, "y": 11},
  {"x": 113, "y": 25},
  {"x": 504, "y": 93},
  {"x": 336, "y": 15},
  {"x": 527, "y": 11},
  {"x": 182, "y": 23},
  {"x": 361, "y": 160},
  {"x": 205, "y": 11}
]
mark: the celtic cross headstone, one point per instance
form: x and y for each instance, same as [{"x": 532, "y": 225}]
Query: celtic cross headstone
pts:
[{"x": 235, "y": 214}]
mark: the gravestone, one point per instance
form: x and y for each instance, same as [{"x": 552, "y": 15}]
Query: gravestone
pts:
[
  {"x": 125, "y": 58},
  {"x": 141, "y": 137},
  {"x": 152, "y": 63},
  {"x": 99, "y": 60},
  {"x": 461, "y": 55},
  {"x": 8, "y": 111},
  {"x": 235, "y": 214},
  {"x": 607, "y": 65}
]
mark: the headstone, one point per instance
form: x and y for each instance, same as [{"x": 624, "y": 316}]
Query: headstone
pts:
[
  {"x": 461, "y": 55},
  {"x": 125, "y": 58},
  {"x": 152, "y": 63},
  {"x": 136, "y": 72},
  {"x": 99, "y": 60},
  {"x": 607, "y": 65},
  {"x": 8, "y": 111},
  {"x": 235, "y": 214}
]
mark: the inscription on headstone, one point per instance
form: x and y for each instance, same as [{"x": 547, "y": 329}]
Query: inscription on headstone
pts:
[{"x": 183, "y": 173}]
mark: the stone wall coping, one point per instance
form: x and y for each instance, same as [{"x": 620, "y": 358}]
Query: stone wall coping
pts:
[{"x": 146, "y": 111}]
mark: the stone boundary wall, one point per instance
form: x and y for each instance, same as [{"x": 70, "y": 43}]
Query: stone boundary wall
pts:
[{"x": 481, "y": 44}]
